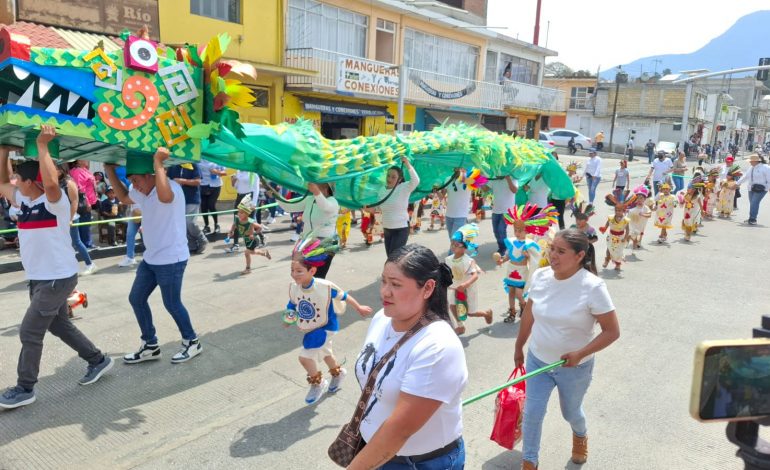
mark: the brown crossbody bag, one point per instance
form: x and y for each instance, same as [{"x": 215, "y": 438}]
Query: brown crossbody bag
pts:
[{"x": 349, "y": 442}]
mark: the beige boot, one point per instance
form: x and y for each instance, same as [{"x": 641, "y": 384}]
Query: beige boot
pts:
[
  {"x": 527, "y": 465},
  {"x": 579, "y": 449}
]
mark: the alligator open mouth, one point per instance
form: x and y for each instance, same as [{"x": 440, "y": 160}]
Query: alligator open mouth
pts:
[{"x": 21, "y": 89}]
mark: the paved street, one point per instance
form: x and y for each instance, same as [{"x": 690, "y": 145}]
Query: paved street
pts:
[{"x": 240, "y": 404}]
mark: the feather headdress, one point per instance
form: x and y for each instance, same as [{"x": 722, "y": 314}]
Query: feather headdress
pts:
[
  {"x": 573, "y": 167},
  {"x": 314, "y": 251},
  {"x": 532, "y": 218},
  {"x": 629, "y": 201},
  {"x": 473, "y": 179},
  {"x": 734, "y": 171},
  {"x": 697, "y": 182},
  {"x": 642, "y": 191},
  {"x": 466, "y": 235},
  {"x": 583, "y": 210}
]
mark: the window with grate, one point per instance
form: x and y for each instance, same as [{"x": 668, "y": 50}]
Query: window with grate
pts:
[
  {"x": 313, "y": 24},
  {"x": 431, "y": 53},
  {"x": 581, "y": 97},
  {"x": 225, "y": 10}
]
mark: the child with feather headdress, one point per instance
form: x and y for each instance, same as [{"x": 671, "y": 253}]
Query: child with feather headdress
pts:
[{"x": 465, "y": 273}]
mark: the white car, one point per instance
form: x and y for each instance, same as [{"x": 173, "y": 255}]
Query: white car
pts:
[
  {"x": 546, "y": 141},
  {"x": 562, "y": 136},
  {"x": 668, "y": 147}
]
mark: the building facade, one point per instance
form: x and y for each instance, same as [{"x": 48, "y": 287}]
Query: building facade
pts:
[{"x": 578, "y": 101}]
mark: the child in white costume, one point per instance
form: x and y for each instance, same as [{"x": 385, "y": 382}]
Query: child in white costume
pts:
[
  {"x": 314, "y": 305},
  {"x": 639, "y": 215},
  {"x": 465, "y": 273}
]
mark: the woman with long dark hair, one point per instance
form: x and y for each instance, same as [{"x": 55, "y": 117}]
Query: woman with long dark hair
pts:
[
  {"x": 414, "y": 417},
  {"x": 566, "y": 301},
  {"x": 395, "y": 218}
]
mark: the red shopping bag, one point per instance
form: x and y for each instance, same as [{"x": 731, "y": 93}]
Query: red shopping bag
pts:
[{"x": 509, "y": 410}]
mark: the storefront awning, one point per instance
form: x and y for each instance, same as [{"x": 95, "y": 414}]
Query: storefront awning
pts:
[
  {"x": 343, "y": 108},
  {"x": 448, "y": 117}
]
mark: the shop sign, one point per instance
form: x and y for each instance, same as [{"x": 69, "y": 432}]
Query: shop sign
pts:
[
  {"x": 100, "y": 16},
  {"x": 366, "y": 77},
  {"x": 443, "y": 95},
  {"x": 342, "y": 110}
]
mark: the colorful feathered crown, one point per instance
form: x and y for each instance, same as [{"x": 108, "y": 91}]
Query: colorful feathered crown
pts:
[
  {"x": 583, "y": 210},
  {"x": 573, "y": 166},
  {"x": 473, "y": 179},
  {"x": 534, "y": 220},
  {"x": 313, "y": 251},
  {"x": 642, "y": 191},
  {"x": 664, "y": 185},
  {"x": 466, "y": 235},
  {"x": 628, "y": 201},
  {"x": 734, "y": 170},
  {"x": 697, "y": 182}
]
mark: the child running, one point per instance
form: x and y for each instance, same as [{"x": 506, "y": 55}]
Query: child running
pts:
[
  {"x": 692, "y": 203},
  {"x": 250, "y": 231},
  {"x": 726, "y": 199},
  {"x": 639, "y": 215},
  {"x": 344, "y": 219},
  {"x": 710, "y": 193},
  {"x": 314, "y": 305},
  {"x": 437, "y": 208},
  {"x": 665, "y": 203},
  {"x": 618, "y": 228},
  {"x": 523, "y": 254},
  {"x": 582, "y": 213},
  {"x": 465, "y": 273}
]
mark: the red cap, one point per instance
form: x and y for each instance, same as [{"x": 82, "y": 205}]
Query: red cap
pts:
[{"x": 730, "y": 158}]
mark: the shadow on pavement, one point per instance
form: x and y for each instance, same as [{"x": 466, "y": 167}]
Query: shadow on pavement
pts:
[
  {"x": 507, "y": 460},
  {"x": 15, "y": 287},
  {"x": 278, "y": 436}
]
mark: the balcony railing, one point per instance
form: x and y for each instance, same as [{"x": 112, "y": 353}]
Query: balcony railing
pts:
[{"x": 429, "y": 88}]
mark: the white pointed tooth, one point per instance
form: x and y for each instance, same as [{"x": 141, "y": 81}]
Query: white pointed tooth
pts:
[
  {"x": 54, "y": 107},
  {"x": 26, "y": 98},
  {"x": 20, "y": 73},
  {"x": 83, "y": 114},
  {"x": 72, "y": 99},
  {"x": 43, "y": 87}
]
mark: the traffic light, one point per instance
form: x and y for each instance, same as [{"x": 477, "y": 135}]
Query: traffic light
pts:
[
  {"x": 720, "y": 128},
  {"x": 762, "y": 75}
]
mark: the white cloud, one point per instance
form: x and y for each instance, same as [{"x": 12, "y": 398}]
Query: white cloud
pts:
[{"x": 606, "y": 33}]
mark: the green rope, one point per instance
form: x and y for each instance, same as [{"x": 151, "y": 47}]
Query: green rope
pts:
[
  {"x": 514, "y": 381},
  {"x": 125, "y": 219}
]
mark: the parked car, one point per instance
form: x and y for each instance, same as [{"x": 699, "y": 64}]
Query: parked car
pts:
[
  {"x": 561, "y": 138},
  {"x": 546, "y": 141}
]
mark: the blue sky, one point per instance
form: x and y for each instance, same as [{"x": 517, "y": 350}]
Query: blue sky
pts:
[{"x": 592, "y": 33}]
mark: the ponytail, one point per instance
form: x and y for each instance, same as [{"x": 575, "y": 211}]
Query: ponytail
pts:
[{"x": 578, "y": 241}]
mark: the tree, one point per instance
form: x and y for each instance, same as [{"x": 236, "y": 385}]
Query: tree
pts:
[
  {"x": 558, "y": 69},
  {"x": 582, "y": 74},
  {"x": 666, "y": 71}
]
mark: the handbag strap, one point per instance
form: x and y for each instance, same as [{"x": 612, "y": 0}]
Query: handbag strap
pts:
[{"x": 366, "y": 393}]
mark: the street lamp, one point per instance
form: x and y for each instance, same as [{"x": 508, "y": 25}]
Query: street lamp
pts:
[{"x": 619, "y": 76}]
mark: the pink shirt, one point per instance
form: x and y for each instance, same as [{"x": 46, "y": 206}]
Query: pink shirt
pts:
[{"x": 86, "y": 183}]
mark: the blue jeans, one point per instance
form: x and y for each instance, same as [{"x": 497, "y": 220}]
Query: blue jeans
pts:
[
  {"x": 85, "y": 230},
  {"x": 650, "y": 156},
  {"x": 500, "y": 229},
  {"x": 78, "y": 245},
  {"x": 593, "y": 183},
  {"x": 572, "y": 383},
  {"x": 169, "y": 278},
  {"x": 755, "y": 197},
  {"x": 678, "y": 183},
  {"x": 452, "y": 225},
  {"x": 131, "y": 230},
  {"x": 453, "y": 460}
]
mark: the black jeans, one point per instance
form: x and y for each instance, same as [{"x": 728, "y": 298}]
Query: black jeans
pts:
[
  {"x": 323, "y": 270},
  {"x": 559, "y": 204},
  {"x": 395, "y": 238},
  {"x": 209, "y": 198},
  {"x": 48, "y": 312}
]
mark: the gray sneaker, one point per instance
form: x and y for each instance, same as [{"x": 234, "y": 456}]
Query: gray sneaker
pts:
[
  {"x": 316, "y": 392},
  {"x": 94, "y": 373},
  {"x": 15, "y": 397},
  {"x": 334, "y": 384}
]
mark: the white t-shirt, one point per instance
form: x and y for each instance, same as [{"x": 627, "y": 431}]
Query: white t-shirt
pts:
[
  {"x": 247, "y": 182},
  {"x": 44, "y": 238},
  {"x": 430, "y": 365},
  {"x": 164, "y": 226},
  {"x": 504, "y": 198},
  {"x": 594, "y": 166},
  {"x": 458, "y": 201},
  {"x": 318, "y": 212},
  {"x": 538, "y": 192},
  {"x": 394, "y": 209},
  {"x": 659, "y": 168},
  {"x": 565, "y": 312}
]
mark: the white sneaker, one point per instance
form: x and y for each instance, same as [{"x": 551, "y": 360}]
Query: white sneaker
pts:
[
  {"x": 271, "y": 220},
  {"x": 189, "y": 350},
  {"x": 316, "y": 392},
  {"x": 90, "y": 269},
  {"x": 127, "y": 262},
  {"x": 335, "y": 383},
  {"x": 294, "y": 237},
  {"x": 147, "y": 352}
]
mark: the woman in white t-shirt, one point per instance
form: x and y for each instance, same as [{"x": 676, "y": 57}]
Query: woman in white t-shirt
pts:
[
  {"x": 395, "y": 218},
  {"x": 565, "y": 303},
  {"x": 414, "y": 416}
]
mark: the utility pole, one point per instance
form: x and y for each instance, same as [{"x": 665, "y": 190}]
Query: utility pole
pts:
[
  {"x": 656, "y": 62},
  {"x": 537, "y": 23},
  {"x": 618, "y": 76}
]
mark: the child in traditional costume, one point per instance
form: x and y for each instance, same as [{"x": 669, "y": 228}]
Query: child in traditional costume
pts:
[
  {"x": 582, "y": 213},
  {"x": 437, "y": 208},
  {"x": 371, "y": 225},
  {"x": 250, "y": 231},
  {"x": 522, "y": 253},
  {"x": 692, "y": 202},
  {"x": 314, "y": 305},
  {"x": 710, "y": 193},
  {"x": 665, "y": 202},
  {"x": 465, "y": 273},
  {"x": 617, "y": 224},
  {"x": 638, "y": 215},
  {"x": 726, "y": 199},
  {"x": 344, "y": 220}
]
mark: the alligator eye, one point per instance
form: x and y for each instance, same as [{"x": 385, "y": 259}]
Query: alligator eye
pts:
[{"x": 142, "y": 55}]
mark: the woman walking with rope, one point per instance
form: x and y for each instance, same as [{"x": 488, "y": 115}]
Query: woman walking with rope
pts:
[{"x": 395, "y": 218}]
